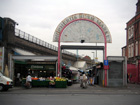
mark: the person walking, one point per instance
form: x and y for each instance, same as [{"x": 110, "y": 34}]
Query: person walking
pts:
[
  {"x": 84, "y": 80},
  {"x": 90, "y": 77},
  {"x": 28, "y": 81},
  {"x": 93, "y": 75}
]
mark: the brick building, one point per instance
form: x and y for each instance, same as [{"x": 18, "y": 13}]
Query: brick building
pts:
[{"x": 132, "y": 48}]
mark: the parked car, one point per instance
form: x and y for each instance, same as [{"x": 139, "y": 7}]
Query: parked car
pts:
[{"x": 5, "y": 83}]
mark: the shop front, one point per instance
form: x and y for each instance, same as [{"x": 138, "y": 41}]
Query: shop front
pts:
[
  {"x": 39, "y": 67},
  {"x": 42, "y": 70}
]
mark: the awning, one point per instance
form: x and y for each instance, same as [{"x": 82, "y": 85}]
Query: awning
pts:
[
  {"x": 73, "y": 68},
  {"x": 31, "y": 57},
  {"x": 80, "y": 64}
]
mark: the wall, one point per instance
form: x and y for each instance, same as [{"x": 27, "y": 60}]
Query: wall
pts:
[{"x": 133, "y": 71}]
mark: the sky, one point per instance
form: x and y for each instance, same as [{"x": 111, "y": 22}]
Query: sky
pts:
[{"x": 41, "y": 17}]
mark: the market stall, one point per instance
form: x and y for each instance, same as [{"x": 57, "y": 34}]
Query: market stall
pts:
[
  {"x": 75, "y": 73},
  {"x": 56, "y": 82}
]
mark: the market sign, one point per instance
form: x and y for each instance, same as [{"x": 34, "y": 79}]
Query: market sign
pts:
[
  {"x": 78, "y": 27},
  {"x": 43, "y": 67},
  {"x": 37, "y": 67},
  {"x": 50, "y": 67}
]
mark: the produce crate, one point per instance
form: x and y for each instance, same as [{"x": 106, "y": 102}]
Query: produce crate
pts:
[
  {"x": 37, "y": 83},
  {"x": 60, "y": 84},
  {"x": 69, "y": 82},
  {"x": 23, "y": 82}
]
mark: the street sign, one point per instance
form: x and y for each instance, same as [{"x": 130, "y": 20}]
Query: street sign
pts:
[{"x": 106, "y": 62}]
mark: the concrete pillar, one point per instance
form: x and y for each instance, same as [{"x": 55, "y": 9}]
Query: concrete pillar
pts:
[{"x": 7, "y": 39}]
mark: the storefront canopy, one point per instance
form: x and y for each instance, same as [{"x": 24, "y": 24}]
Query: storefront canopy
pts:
[
  {"x": 73, "y": 68},
  {"x": 81, "y": 65},
  {"x": 46, "y": 58}
]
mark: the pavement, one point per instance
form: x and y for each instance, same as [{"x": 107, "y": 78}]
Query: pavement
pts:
[{"x": 130, "y": 89}]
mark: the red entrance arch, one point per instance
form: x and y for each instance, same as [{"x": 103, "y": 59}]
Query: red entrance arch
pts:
[{"x": 105, "y": 42}]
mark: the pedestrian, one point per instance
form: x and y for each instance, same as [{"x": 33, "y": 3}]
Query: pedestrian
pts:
[
  {"x": 29, "y": 81},
  {"x": 90, "y": 77},
  {"x": 18, "y": 79},
  {"x": 81, "y": 78},
  {"x": 84, "y": 81},
  {"x": 93, "y": 75}
]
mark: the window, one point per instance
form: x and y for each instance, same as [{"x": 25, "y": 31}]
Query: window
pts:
[
  {"x": 136, "y": 49},
  {"x": 130, "y": 32},
  {"x": 132, "y": 50},
  {"x": 129, "y": 51}
]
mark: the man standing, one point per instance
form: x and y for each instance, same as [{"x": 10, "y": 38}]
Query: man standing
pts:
[{"x": 29, "y": 81}]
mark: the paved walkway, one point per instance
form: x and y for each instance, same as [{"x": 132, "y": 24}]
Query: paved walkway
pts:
[{"x": 131, "y": 89}]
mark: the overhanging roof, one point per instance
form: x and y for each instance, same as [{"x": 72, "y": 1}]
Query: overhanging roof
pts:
[{"x": 46, "y": 58}]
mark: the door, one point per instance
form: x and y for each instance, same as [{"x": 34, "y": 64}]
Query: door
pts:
[{"x": 115, "y": 73}]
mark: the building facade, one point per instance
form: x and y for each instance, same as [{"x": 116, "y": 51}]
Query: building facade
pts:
[{"x": 132, "y": 48}]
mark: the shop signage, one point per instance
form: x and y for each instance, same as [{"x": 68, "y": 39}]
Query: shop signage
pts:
[
  {"x": 79, "y": 27},
  {"x": 36, "y": 67},
  {"x": 50, "y": 67},
  {"x": 43, "y": 67}
]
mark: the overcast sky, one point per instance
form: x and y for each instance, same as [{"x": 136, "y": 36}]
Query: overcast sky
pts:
[{"x": 41, "y": 17}]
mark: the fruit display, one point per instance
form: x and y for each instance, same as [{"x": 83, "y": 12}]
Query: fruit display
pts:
[
  {"x": 60, "y": 79},
  {"x": 57, "y": 82},
  {"x": 33, "y": 78}
]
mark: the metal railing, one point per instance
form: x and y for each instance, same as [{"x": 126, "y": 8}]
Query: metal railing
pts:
[{"x": 38, "y": 41}]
